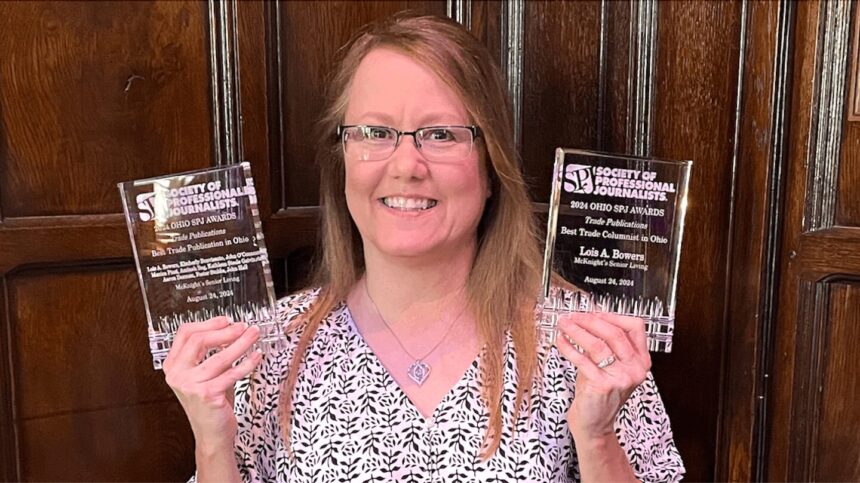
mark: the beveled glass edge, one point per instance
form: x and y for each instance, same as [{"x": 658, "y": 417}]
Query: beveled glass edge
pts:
[
  {"x": 258, "y": 228},
  {"x": 629, "y": 157},
  {"x": 678, "y": 233},
  {"x": 552, "y": 221},
  {"x": 137, "y": 182},
  {"x": 140, "y": 282}
]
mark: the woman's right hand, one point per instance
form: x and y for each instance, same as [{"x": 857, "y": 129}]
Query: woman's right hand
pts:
[{"x": 205, "y": 389}]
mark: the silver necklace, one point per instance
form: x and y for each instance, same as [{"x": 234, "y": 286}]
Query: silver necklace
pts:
[{"x": 418, "y": 370}]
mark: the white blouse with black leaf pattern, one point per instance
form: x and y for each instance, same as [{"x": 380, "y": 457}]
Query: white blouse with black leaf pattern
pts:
[{"x": 352, "y": 422}]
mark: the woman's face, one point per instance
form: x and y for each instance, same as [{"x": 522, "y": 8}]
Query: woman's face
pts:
[{"x": 405, "y": 205}]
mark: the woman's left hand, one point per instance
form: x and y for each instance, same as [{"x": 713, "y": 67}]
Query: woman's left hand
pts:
[{"x": 612, "y": 359}]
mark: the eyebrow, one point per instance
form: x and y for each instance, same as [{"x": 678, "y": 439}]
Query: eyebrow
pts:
[
  {"x": 430, "y": 119},
  {"x": 436, "y": 119},
  {"x": 376, "y": 117}
]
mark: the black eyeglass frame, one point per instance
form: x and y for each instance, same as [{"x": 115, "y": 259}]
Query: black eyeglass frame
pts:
[{"x": 475, "y": 130}]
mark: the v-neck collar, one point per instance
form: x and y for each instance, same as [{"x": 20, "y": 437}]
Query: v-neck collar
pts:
[{"x": 468, "y": 374}]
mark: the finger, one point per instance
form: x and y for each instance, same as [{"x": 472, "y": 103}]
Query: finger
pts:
[
  {"x": 634, "y": 327},
  {"x": 187, "y": 329},
  {"x": 595, "y": 347},
  {"x": 613, "y": 335},
  {"x": 200, "y": 343},
  {"x": 228, "y": 378},
  {"x": 582, "y": 361},
  {"x": 220, "y": 362}
]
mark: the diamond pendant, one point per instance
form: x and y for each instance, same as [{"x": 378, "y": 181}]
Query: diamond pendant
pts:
[{"x": 418, "y": 372}]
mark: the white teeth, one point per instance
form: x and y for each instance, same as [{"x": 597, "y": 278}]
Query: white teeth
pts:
[{"x": 409, "y": 204}]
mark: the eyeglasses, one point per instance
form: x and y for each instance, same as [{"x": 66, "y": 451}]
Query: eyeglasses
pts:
[{"x": 436, "y": 143}]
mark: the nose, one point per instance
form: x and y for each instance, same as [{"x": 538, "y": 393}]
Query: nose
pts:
[{"x": 407, "y": 161}]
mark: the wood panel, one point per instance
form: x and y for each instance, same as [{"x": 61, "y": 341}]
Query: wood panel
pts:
[
  {"x": 696, "y": 79},
  {"x": 848, "y": 206},
  {"x": 837, "y": 454},
  {"x": 100, "y": 338},
  {"x": 89, "y": 96},
  {"x": 61, "y": 239},
  {"x": 785, "y": 338},
  {"x": 854, "y": 95},
  {"x": 149, "y": 442},
  {"x": 759, "y": 166},
  {"x": 255, "y": 30},
  {"x": 486, "y": 25},
  {"x": 613, "y": 115},
  {"x": 83, "y": 379},
  {"x": 561, "y": 43},
  {"x": 8, "y": 440}
]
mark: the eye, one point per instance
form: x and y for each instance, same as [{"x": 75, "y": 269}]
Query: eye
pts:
[
  {"x": 373, "y": 133},
  {"x": 439, "y": 135}
]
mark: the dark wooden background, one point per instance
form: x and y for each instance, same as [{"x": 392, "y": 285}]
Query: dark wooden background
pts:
[{"x": 764, "y": 97}]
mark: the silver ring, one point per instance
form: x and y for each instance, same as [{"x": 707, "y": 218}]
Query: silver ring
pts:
[{"x": 606, "y": 362}]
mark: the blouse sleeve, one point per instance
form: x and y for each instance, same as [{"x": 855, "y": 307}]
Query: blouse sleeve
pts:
[{"x": 643, "y": 430}]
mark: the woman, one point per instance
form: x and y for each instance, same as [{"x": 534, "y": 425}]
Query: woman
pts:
[{"x": 417, "y": 358}]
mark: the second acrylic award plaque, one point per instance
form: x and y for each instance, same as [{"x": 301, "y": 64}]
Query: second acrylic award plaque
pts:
[{"x": 614, "y": 239}]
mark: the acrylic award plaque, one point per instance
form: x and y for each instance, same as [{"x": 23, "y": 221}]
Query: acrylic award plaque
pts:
[
  {"x": 199, "y": 250},
  {"x": 614, "y": 239}
]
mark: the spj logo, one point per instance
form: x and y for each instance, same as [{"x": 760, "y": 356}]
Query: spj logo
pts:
[
  {"x": 146, "y": 205},
  {"x": 578, "y": 178}
]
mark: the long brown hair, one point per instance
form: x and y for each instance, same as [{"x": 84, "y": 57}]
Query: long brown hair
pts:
[{"x": 504, "y": 280}]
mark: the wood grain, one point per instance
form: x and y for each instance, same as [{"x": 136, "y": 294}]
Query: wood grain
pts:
[
  {"x": 560, "y": 85},
  {"x": 98, "y": 93},
  {"x": 754, "y": 236},
  {"x": 837, "y": 454},
  {"x": 486, "y": 25},
  {"x": 48, "y": 240},
  {"x": 257, "y": 81},
  {"x": 780, "y": 402},
  {"x": 8, "y": 442},
  {"x": 612, "y": 134},
  {"x": 848, "y": 204},
  {"x": 74, "y": 325},
  {"x": 854, "y": 80},
  {"x": 146, "y": 442},
  {"x": 696, "y": 69}
]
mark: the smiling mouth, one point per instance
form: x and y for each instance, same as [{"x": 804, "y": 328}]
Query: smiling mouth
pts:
[{"x": 408, "y": 204}]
